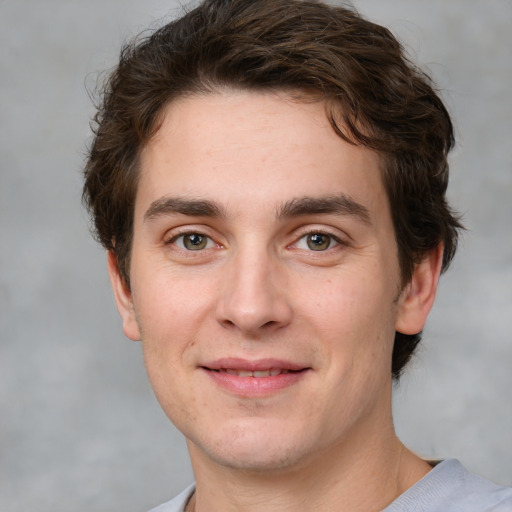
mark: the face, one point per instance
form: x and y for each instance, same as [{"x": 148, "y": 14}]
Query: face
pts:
[{"x": 264, "y": 281}]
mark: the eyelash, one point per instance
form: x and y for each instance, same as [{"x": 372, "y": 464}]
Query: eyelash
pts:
[
  {"x": 332, "y": 239},
  {"x": 210, "y": 242}
]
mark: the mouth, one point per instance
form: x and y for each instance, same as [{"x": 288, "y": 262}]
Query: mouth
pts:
[
  {"x": 258, "y": 374},
  {"x": 254, "y": 378}
]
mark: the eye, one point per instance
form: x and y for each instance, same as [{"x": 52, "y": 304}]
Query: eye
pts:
[
  {"x": 193, "y": 242},
  {"x": 317, "y": 242}
]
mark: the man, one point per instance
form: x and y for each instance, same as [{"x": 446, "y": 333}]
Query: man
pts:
[{"x": 268, "y": 178}]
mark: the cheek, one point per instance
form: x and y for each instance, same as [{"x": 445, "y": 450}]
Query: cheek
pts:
[
  {"x": 354, "y": 317},
  {"x": 348, "y": 301},
  {"x": 166, "y": 304},
  {"x": 172, "y": 312}
]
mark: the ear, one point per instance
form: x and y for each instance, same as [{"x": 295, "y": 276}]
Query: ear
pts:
[
  {"x": 123, "y": 297},
  {"x": 417, "y": 298}
]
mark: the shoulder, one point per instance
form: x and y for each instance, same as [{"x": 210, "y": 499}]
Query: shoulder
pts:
[
  {"x": 178, "y": 503},
  {"x": 449, "y": 487}
]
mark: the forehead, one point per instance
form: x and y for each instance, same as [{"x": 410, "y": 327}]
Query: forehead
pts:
[{"x": 266, "y": 147}]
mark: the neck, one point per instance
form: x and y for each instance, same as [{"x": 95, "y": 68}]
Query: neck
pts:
[{"x": 366, "y": 473}]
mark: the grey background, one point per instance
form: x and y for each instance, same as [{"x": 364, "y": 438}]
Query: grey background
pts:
[{"x": 79, "y": 427}]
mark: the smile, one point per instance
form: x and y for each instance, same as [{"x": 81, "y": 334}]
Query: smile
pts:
[
  {"x": 272, "y": 372},
  {"x": 254, "y": 379}
]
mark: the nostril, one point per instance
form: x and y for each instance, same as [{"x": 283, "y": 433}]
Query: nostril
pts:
[{"x": 228, "y": 323}]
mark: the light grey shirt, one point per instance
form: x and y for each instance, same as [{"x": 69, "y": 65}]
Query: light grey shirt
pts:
[{"x": 447, "y": 488}]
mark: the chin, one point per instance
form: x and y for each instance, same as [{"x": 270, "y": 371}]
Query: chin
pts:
[
  {"x": 255, "y": 448},
  {"x": 258, "y": 460}
]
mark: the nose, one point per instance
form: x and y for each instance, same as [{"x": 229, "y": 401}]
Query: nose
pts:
[{"x": 253, "y": 296}]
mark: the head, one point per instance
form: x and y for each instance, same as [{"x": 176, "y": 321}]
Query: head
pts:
[{"x": 372, "y": 97}]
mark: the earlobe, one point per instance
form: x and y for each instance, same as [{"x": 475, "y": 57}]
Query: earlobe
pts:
[
  {"x": 123, "y": 297},
  {"x": 417, "y": 298}
]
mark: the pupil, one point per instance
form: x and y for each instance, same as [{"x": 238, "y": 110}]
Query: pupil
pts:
[
  {"x": 318, "y": 241},
  {"x": 194, "y": 241}
]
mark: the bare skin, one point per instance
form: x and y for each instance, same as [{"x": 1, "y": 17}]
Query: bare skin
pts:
[
  {"x": 370, "y": 487},
  {"x": 266, "y": 291}
]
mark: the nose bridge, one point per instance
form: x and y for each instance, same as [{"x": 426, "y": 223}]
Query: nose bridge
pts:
[{"x": 252, "y": 298}]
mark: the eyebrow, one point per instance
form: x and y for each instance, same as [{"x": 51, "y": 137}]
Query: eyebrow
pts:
[
  {"x": 340, "y": 204},
  {"x": 193, "y": 207}
]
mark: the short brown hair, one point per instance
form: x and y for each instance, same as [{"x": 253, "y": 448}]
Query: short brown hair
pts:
[{"x": 373, "y": 95}]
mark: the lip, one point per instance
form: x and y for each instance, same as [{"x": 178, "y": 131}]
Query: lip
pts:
[{"x": 225, "y": 374}]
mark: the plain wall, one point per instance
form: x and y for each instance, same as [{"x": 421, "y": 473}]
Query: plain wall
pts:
[{"x": 79, "y": 427}]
